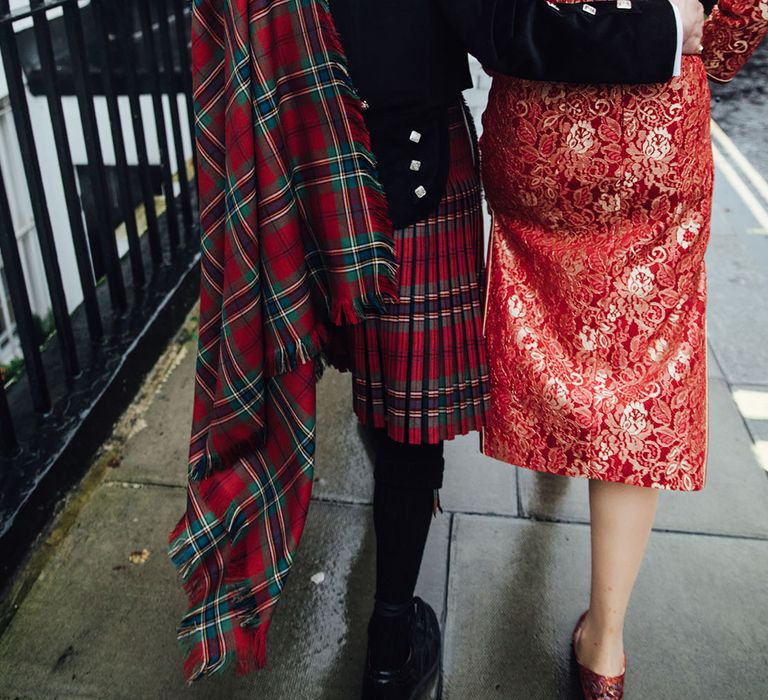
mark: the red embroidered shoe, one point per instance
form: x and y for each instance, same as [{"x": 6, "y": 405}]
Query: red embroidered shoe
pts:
[{"x": 593, "y": 685}]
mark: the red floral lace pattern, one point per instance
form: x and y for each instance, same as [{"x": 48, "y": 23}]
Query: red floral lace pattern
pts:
[
  {"x": 595, "y": 320},
  {"x": 731, "y": 33}
]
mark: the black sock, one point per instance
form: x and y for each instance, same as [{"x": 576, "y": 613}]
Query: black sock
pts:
[{"x": 401, "y": 518}]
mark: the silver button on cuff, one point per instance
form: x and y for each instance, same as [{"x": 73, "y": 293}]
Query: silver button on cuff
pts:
[
  {"x": 415, "y": 165},
  {"x": 415, "y": 136},
  {"x": 421, "y": 192}
]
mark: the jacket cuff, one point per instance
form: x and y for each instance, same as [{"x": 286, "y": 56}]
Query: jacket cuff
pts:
[{"x": 678, "y": 68}]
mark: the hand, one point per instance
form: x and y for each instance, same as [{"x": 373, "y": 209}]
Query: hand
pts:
[{"x": 692, "y": 14}]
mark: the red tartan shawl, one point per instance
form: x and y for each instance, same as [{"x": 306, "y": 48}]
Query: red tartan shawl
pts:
[{"x": 294, "y": 237}]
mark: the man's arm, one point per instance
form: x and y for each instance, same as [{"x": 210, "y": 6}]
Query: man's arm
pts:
[{"x": 621, "y": 41}]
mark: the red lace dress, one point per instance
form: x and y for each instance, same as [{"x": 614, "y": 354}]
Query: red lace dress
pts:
[{"x": 595, "y": 316}]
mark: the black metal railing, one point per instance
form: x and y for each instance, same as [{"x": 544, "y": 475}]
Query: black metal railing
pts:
[{"x": 122, "y": 68}]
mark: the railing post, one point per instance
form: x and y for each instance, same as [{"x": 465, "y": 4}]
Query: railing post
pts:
[
  {"x": 8, "y": 442},
  {"x": 125, "y": 36},
  {"x": 173, "y": 99},
  {"x": 22, "y": 311},
  {"x": 184, "y": 40},
  {"x": 145, "y": 20},
  {"x": 74, "y": 207},
  {"x": 118, "y": 143},
  {"x": 105, "y": 230}
]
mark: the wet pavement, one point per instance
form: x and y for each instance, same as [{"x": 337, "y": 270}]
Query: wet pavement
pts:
[
  {"x": 506, "y": 568},
  {"x": 506, "y": 565}
]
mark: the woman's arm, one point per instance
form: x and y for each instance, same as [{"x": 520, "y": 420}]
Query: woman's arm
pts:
[
  {"x": 623, "y": 41},
  {"x": 731, "y": 34}
]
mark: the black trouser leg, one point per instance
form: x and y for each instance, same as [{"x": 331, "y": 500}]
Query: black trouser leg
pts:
[{"x": 407, "y": 477}]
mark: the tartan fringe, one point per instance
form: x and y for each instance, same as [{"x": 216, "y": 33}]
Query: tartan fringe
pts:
[
  {"x": 249, "y": 653},
  {"x": 353, "y": 311},
  {"x": 286, "y": 359},
  {"x": 310, "y": 347},
  {"x": 249, "y": 656},
  {"x": 256, "y": 656},
  {"x": 343, "y": 312},
  {"x": 213, "y": 554}
]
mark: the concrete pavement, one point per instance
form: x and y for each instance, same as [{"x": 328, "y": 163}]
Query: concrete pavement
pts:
[{"x": 506, "y": 568}]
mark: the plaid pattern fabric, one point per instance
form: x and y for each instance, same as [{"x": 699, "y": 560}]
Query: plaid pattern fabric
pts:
[
  {"x": 294, "y": 236},
  {"x": 419, "y": 366}
]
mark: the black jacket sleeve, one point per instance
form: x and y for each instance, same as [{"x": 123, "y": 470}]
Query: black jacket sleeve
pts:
[{"x": 537, "y": 40}]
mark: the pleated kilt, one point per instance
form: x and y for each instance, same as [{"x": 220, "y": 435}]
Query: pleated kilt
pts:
[{"x": 419, "y": 369}]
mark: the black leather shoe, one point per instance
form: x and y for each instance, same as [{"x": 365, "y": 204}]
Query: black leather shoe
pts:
[{"x": 415, "y": 676}]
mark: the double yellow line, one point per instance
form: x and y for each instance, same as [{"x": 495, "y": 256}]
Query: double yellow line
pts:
[{"x": 742, "y": 177}]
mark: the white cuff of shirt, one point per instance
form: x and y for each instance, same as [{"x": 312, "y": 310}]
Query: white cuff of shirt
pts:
[{"x": 679, "y": 54}]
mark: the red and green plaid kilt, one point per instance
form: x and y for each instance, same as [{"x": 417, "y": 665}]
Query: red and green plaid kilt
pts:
[{"x": 419, "y": 367}]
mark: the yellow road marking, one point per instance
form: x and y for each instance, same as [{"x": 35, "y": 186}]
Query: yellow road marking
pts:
[
  {"x": 729, "y": 147},
  {"x": 742, "y": 189}
]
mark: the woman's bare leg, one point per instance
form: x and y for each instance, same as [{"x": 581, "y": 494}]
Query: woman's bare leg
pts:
[{"x": 622, "y": 518}]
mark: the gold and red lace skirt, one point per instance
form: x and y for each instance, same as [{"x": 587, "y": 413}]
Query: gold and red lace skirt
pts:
[{"x": 595, "y": 314}]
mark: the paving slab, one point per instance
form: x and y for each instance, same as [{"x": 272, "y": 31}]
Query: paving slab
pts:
[
  {"x": 736, "y": 263},
  {"x": 714, "y": 370},
  {"x": 97, "y": 626},
  {"x": 696, "y": 623},
  {"x": 344, "y": 464},
  {"x": 475, "y": 483},
  {"x": 344, "y": 472},
  {"x": 94, "y": 624},
  {"x": 156, "y": 453},
  {"x": 732, "y": 503}
]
